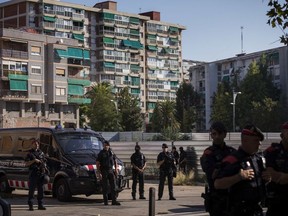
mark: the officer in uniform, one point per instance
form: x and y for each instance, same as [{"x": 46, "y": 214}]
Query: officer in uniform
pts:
[
  {"x": 182, "y": 160},
  {"x": 138, "y": 162},
  {"x": 36, "y": 161},
  {"x": 175, "y": 154},
  {"x": 277, "y": 165},
  {"x": 215, "y": 200},
  {"x": 241, "y": 173},
  {"x": 166, "y": 163},
  {"x": 105, "y": 161}
]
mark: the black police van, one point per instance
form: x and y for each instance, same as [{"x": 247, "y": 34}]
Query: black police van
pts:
[{"x": 71, "y": 158}]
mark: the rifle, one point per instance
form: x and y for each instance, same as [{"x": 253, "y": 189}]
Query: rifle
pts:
[{"x": 207, "y": 199}]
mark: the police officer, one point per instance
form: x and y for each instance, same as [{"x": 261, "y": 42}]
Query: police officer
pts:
[
  {"x": 35, "y": 159},
  {"x": 138, "y": 162},
  {"x": 175, "y": 154},
  {"x": 182, "y": 160},
  {"x": 105, "y": 161},
  {"x": 241, "y": 173},
  {"x": 277, "y": 165},
  {"x": 215, "y": 200},
  {"x": 166, "y": 163}
]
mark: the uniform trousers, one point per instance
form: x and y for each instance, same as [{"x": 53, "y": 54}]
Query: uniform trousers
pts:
[
  {"x": 136, "y": 175},
  {"x": 162, "y": 178},
  {"x": 35, "y": 180}
]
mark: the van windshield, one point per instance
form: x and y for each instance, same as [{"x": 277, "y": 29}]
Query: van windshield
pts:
[{"x": 72, "y": 142}]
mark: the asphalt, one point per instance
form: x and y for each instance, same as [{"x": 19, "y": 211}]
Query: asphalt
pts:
[{"x": 189, "y": 202}]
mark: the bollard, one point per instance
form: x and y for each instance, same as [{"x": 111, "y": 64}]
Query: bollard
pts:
[{"x": 151, "y": 201}]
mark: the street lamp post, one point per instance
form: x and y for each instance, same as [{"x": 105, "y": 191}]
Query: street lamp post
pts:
[{"x": 234, "y": 107}]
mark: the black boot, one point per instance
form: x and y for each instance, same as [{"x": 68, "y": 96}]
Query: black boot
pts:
[
  {"x": 115, "y": 202},
  {"x": 133, "y": 196},
  {"x": 105, "y": 199},
  {"x": 31, "y": 207},
  {"x": 142, "y": 197},
  {"x": 41, "y": 207}
]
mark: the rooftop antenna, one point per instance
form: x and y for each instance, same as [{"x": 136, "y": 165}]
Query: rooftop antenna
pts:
[{"x": 242, "y": 39}]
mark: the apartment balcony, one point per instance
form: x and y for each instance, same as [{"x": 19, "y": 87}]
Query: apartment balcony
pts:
[
  {"x": 13, "y": 95},
  {"x": 6, "y": 73},
  {"x": 17, "y": 54},
  {"x": 78, "y": 99},
  {"x": 121, "y": 23}
]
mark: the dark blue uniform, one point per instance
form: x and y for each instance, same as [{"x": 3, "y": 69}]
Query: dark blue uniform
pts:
[
  {"x": 138, "y": 159},
  {"x": 36, "y": 174},
  {"x": 166, "y": 170},
  {"x": 107, "y": 161},
  {"x": 277, "y": 158},
  {"x": 215, "y": 200},
  {"x": 245, "y": 196}
]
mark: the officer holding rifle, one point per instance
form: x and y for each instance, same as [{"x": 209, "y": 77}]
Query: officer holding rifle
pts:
[{"x": 36, "y": 162}]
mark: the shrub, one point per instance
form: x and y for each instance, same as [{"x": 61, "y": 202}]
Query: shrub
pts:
[{"x": 182, "y": 179}]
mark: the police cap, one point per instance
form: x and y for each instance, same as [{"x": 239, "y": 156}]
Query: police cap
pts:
[
  {"x": 252, "y": 130},
  {"x": 106, "y": 143},
  {"x": 164, "y": 145}
]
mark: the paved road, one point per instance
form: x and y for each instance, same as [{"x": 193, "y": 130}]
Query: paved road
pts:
[{"x": 188, "y": 202}]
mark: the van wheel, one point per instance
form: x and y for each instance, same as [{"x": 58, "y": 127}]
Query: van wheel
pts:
[
  {"x": 4, "y": 185},
  {"x": 63, "y": 193}
]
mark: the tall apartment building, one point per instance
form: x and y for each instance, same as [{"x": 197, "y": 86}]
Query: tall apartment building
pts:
[
  {"x": 186, "y": 65},
  {"x": 206, "y": 76},
  {"x": 79, "y": 46}
]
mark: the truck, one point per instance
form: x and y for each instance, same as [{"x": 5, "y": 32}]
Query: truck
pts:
[{"x": 70, "y": 153}]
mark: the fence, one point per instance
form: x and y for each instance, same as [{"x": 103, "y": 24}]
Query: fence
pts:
[
  {"x": 152, "y": 148},
  {"x": 134, "y": 136}
]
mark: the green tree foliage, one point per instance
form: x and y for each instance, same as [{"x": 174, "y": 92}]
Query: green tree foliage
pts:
[
  {"x": 277, "y": 17},
  {"x": 187, "y": 102},
  {"x": 260, "y": 101},
  {"x": 102, "y": 112},
  {"x": 163, "y": 119},
  {"x": 131, "y": 118},
  {"x": 221, "y": 109}
]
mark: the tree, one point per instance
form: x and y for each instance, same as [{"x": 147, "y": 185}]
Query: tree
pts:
[
  {"x": 102, "y": 112},
  {"x": 260, "y": 104},
  {"x": 221, "y": 105},
  {"x": 277, "y": 17},
  {"x": 187, "y": 102},
  {"x": 163, "y": 120},
  {"x": 131, "y": 118}
]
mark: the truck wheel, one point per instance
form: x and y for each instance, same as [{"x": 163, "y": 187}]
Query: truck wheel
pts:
[
  {"x": 63, "y": 193},
  {"x": 4, "y": 185}
]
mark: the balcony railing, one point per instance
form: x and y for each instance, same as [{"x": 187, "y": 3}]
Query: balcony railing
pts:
[
  {"x": 14, "y": 53},
  {"x": 8, "y": 94}
]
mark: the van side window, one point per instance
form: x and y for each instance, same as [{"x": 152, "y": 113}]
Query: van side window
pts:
[
  {"x": 6, "y": 144},
  {"x": 46, "y": 145}
]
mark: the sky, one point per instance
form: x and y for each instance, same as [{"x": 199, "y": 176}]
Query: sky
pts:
[{"x": 213, "y": 27}]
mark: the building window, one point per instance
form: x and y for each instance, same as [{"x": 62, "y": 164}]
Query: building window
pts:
[
  {"x": 36, "y": 89},
  {"x": 36, "y": 70},
  {"x": 12, "y": 106},
  {"x": 30, "y": 107},
  {"x": 60, "y": 71},
  {"x": 60, "y": 91},
  {"x": 35, "y": 50}
]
